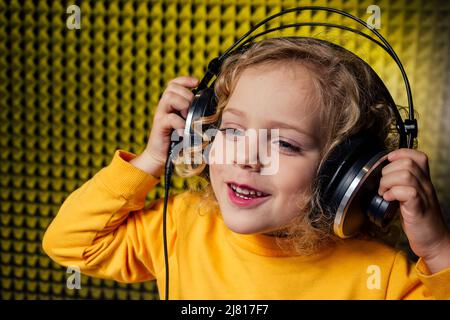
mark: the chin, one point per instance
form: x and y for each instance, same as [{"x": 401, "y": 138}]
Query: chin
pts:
[
  {"x": 237, "y": 226},
  {"x": 242, "y": 227}
]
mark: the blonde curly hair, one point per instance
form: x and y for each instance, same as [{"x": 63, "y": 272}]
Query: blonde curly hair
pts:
[{"x": 351, "y": 97}]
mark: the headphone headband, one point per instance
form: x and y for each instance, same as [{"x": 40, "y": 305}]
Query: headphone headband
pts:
[{"x": 407, "y": 128}]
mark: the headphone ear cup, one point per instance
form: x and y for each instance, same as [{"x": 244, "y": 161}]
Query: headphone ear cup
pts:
[
  {"x": 349, "y": 181},
  {"x": 360, "y": 199},
  {"x": 204, "y": 104}
]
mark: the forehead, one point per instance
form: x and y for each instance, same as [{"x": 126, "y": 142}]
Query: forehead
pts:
[{"x": 277, "y": 92}]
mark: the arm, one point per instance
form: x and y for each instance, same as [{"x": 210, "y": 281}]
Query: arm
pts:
[
  {"x": 102, "y": 227},
  {"x": 407, "y": 179},
  {"x": 408, "y": 281}
]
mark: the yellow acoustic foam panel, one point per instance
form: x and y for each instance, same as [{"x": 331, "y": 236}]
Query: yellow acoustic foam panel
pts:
[{"x": 70, "y": 97}]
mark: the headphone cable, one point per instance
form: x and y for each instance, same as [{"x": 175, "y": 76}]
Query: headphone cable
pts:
[{"x": 167, "y": 176}]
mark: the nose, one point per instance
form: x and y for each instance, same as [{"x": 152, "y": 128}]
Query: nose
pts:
[
  {"x": 247, "y": 155},
  {"x": 254, "y": 167}
]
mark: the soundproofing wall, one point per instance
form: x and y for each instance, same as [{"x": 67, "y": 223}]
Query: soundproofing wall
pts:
[{"x": 71, "y": 96}]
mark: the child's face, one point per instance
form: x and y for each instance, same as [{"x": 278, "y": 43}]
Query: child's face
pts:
[{"x": 263, "y": 97}]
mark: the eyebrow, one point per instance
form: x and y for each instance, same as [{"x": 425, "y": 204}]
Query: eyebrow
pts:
[
  {"x": 234, "y": 111},
  {"x": 276, "y": 124}
]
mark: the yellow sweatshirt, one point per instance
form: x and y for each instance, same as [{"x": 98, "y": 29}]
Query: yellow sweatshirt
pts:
[{"x": 104, "y": 229}]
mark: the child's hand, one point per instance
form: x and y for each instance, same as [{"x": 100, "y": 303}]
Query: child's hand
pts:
[
  {"x": 176, "y": 98},
  {"x": 407, "y": 179}
]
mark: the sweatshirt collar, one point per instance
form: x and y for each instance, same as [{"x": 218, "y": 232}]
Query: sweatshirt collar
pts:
[{"x": 265, "y": 245}]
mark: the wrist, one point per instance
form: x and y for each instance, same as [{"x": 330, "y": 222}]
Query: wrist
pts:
[
  {"x": 148, "y": 163},
  {"x": 439, "y": 258}
]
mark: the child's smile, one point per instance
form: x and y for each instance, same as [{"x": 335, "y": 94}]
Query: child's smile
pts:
[
  {"x": 276, "y": 96},
  {"x": 245, "y": 196}
]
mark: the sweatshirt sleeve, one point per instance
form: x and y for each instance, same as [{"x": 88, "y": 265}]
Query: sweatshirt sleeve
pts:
[
  {"x": 103, "y": 229},
  {"x": 410, "y": 281}
]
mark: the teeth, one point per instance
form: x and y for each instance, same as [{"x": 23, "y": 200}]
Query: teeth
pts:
[
  {"x": 243, "y": 197},
  {"x": 241, "y": 192}
]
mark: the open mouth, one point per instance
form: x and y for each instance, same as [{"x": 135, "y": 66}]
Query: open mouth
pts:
[
  {"x": 243, "y": 197},
  {"x": 246, "y": 193}
]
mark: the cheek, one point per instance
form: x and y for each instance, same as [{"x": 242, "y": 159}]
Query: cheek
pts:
[
  {"x": 225, "y": 151},
  {"x": 214, "y": 168},
  {"x": 216, "y": 174},
  {"x": 217, "y": 152},
  {"x": 292, "y": 179}
]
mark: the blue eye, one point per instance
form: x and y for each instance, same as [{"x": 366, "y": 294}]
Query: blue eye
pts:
[{"x": 287, "y": 146}]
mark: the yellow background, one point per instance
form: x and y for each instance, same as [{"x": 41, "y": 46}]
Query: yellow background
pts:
[{"x": 70, "y": 98}]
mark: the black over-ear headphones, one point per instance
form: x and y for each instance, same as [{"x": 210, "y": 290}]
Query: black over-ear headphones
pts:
[{"x": 349, "y": 177}]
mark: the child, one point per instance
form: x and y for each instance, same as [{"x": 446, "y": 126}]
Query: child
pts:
[{"x": 223, "y": 246}]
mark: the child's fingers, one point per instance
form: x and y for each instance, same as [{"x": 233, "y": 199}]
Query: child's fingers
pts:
[
  {"x": 405, "y": 164},
  {"x": 410, "y": 197},
  {"x": 173, "y": 122},
  {"x": 185, "y": 81},
  {"x": 419, "y": 157},
  {"x": 401, "y": 193},
  {"x": 172, "y": 102},
  {"x": 185, "y": 93},
  {"x": 401, "y": 178},
  {"x": 398, "y": 177},
  {"x": 180, "y": 90}
]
